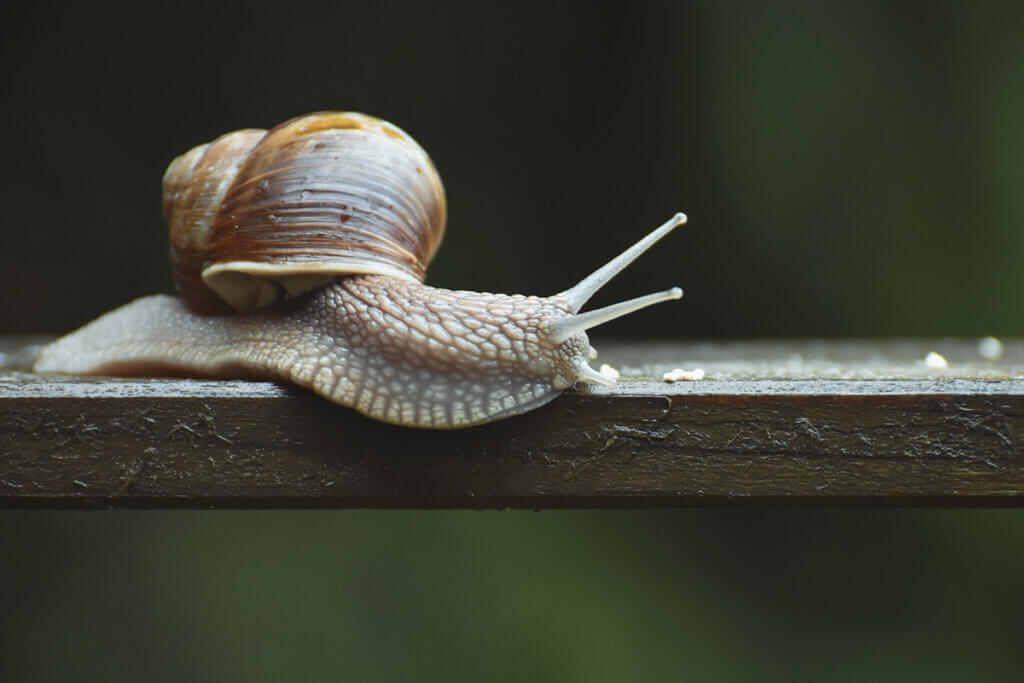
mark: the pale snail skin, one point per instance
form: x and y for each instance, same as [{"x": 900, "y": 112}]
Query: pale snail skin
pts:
[{"x": 380, "y": 342}]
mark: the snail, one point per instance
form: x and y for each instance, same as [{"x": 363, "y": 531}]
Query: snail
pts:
[{"x": 300, "y": 254}]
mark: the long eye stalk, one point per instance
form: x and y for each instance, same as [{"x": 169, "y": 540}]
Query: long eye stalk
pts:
[
  {"x": 563, "y": 328},
  {"x": 581, "y": 293}
]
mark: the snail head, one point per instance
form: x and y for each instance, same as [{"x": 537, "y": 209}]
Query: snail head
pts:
[{"x": 566, "y": 332}]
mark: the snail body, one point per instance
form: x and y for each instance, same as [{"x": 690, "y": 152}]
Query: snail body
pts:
[{"x": 300, "y": 255}]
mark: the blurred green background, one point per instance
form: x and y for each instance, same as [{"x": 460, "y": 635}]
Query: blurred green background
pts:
[{"x": 850, "y": 169}]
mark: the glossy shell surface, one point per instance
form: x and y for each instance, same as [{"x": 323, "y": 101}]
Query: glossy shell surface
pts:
[{"x": 256, "y": 216}]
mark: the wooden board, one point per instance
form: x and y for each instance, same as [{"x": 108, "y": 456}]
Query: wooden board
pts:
[{"x": 807, "y": 422}]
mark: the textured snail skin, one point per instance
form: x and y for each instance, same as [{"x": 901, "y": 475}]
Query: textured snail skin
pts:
[{"x": 394, "y": 350}]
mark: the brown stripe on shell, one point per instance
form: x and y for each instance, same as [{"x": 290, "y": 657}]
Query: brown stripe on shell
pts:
[{"x": 193, "y": 188}]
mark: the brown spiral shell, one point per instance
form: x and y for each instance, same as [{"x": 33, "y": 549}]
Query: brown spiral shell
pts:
[{"x": 255, "y": 216}]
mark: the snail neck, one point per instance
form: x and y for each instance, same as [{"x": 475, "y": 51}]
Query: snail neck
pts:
[{"x": 430, "y": 357}]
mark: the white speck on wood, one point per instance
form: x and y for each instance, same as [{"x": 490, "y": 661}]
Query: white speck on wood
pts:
[
  {"x": 990, "y": 348},
  {"x": 679, "y": 374}
]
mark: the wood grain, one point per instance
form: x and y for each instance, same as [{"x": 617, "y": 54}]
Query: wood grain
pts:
[{"x": 807, "y": 422}]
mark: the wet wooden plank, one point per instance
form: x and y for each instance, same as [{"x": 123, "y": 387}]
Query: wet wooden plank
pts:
[{"x": 791, "y": 422}]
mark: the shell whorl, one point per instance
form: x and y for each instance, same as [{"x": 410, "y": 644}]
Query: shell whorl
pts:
[{"x": 257, "y": 215}]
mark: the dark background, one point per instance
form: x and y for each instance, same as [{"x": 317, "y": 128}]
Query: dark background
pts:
[{"x": 849, "y": 169}]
